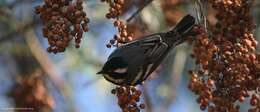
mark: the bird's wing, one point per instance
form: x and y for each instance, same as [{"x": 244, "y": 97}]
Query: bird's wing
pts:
[
  {"x": 154, "y": 50},
  {"x": 155, "y": 53},
  {"x": 154, "y": 47},
  {"x": 150, "y": 44}
]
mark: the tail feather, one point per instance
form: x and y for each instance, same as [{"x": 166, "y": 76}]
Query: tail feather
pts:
[
  {"x": 185, "y": 25},
  {"x": 179, "y": 33}
]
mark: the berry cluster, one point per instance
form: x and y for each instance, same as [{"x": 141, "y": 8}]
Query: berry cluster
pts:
[
  {"x": 30, "y": 92},
  {"x": 128, "y": 97},
  {"x": 227, "y": 60},
  {"x": 64, "y": 20},
  {"x": 115, "y": 10}
]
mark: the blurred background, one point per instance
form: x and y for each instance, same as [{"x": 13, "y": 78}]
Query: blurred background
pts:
[{"x": 32, "y": 80}]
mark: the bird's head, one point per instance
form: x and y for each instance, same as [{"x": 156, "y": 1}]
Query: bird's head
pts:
[
  {"x": 115, "y": 64},
  {"x": 115, "y": 70}
]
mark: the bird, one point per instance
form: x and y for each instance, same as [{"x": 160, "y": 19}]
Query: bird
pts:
[{"x": 131, "y": 63}]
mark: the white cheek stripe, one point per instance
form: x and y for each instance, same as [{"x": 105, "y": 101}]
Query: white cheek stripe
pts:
[
  {"x": 112, "y": 79},
  {"x": 148, "y": 70},
  {"x": 139, "y": 75},
  {"x": 121, "y": 70}
]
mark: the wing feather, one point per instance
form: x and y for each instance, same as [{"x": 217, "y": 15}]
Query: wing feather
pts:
[{"x": 155, "y": 49}]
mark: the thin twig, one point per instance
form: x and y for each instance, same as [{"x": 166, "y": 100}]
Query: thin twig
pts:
[
  {"x": 44, "y": 61},
  {"x": 139, "y": 10},
  {"x": 202, "y": 15}
]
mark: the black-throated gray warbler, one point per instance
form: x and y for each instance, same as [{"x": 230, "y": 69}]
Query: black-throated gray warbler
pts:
[{"x": 131, "y": 63}]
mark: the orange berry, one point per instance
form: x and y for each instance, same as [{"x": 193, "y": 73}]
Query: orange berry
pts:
[{"x": 142, "y": 106}]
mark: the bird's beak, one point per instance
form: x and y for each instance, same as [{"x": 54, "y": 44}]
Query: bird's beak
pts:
[{"x": 101, "y": 72}]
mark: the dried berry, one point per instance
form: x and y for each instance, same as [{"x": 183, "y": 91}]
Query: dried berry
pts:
[
  {"x": 128, "y": 98},
  {"x": 30, "y": 91},
  {"x": 227, "y": 58},
  {"x": 115, "y": 10},
  {"x": 63, "y": 21}
]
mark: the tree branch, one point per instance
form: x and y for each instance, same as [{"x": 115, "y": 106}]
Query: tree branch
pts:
[
  {"x": 18, "y": 30},
  {"x": 43, "y": 59},
  {"x": 139, "y": 10}
]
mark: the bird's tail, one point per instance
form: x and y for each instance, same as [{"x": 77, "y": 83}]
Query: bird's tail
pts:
[{"x": 183, "y": 27}]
